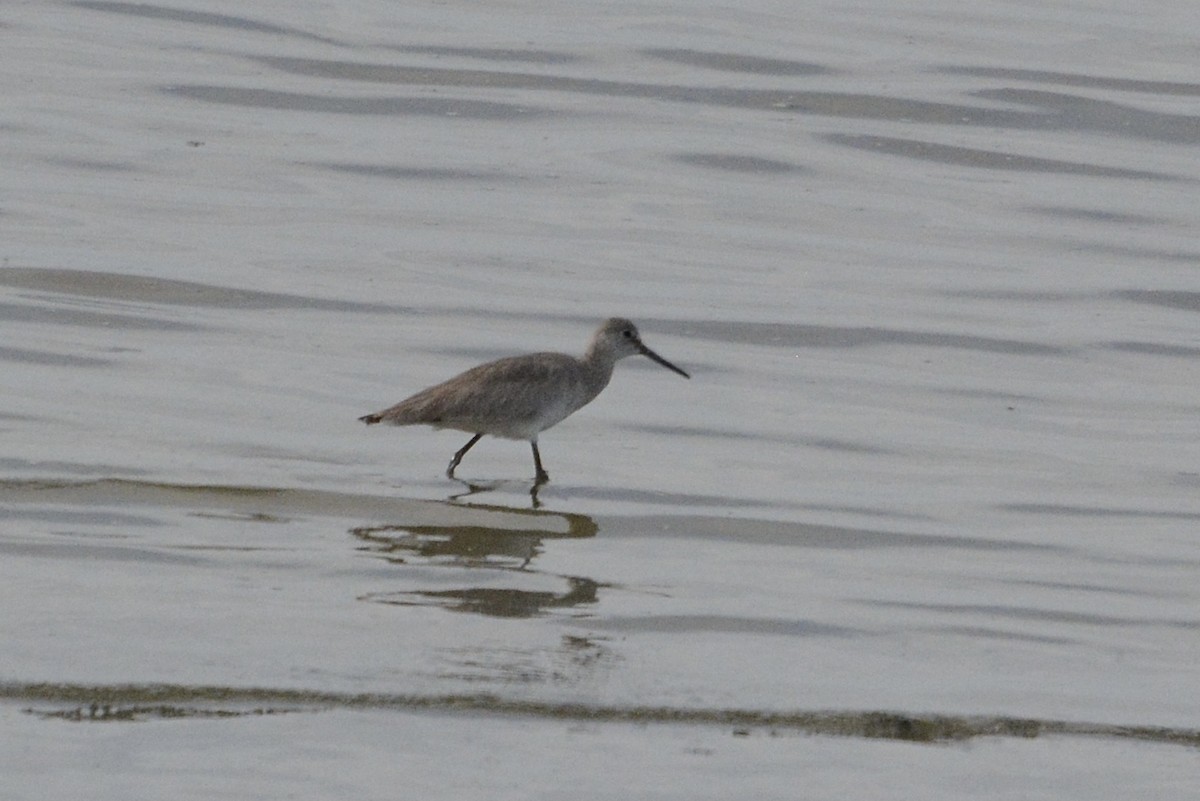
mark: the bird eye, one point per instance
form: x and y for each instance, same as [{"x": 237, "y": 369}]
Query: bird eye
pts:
[{"x": 627, "y": 333}]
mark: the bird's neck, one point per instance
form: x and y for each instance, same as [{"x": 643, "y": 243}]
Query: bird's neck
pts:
[{"x": 598, "y": 369}]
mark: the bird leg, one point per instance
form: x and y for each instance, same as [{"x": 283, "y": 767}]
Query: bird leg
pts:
[
  {"x": 458, "y": 456},
  {"x": 542, "y": 475}
]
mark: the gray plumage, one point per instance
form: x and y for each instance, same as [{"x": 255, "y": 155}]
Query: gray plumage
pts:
[{"x": 521, "y": 396}]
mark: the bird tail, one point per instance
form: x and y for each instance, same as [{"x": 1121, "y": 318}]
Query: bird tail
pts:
[{"x": 371, "y": 419}]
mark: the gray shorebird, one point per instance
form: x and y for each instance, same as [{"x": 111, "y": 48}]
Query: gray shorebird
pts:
[{"x": 521, "y": 396}]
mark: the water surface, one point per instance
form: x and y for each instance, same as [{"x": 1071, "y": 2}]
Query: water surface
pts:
[{"x": 933, "y": 482}]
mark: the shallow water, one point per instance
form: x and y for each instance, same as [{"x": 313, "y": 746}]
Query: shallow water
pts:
[{"x": 933, "y": 481}]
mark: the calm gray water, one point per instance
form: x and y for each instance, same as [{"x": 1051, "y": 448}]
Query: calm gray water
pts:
[{"x": 923, "y": 523}]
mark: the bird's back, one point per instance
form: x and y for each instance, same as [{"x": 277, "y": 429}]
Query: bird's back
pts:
[{"x": 514, "y": 398}]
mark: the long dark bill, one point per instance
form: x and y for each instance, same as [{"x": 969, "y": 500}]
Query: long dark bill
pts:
[{"x": 655, "y": 357}]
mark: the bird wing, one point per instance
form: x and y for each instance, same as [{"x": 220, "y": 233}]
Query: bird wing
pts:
[{"x": 507, "y": 394}]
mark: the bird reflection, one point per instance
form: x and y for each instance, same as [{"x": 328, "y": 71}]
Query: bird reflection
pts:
[
  {"x": 499, "y": 541},
  {"x": 499, "y": 602},
  {"x": 462, "y": 545}
]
